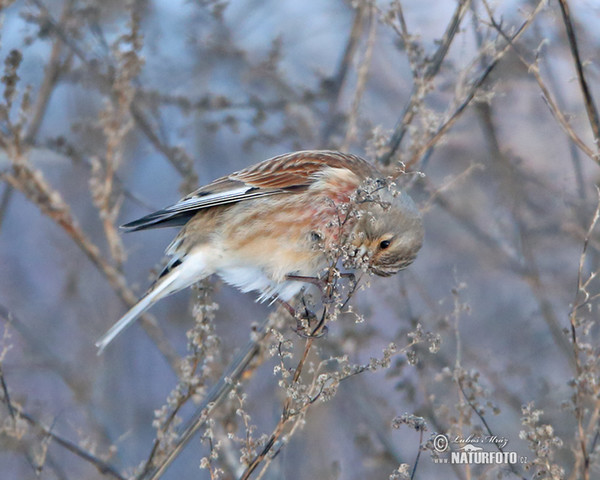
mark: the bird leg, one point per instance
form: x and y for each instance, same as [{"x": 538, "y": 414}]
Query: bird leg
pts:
[
  {"x": 318, "y": 282},
  {"x": 291, "y": 310}
]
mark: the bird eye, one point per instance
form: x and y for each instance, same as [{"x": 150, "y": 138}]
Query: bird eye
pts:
[{"x": 385, "y": 244}]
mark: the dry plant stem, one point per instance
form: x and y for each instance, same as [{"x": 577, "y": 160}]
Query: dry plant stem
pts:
[
  {"x": 455, "y": 320},
  {"x": 561, "y": 102},
  {"x": 79, "y": 386},
  {"x": 582, "y": 291},
  {"x": 30, "y": 183},
  {"x": 217, "y": 393},
  {"x": 104, "y": 84},
  {"x": 51, "y": 76},
  {"x": 556, "y": 111},
  {"x": 590, "y": 106},
  {"x": 339, "y": 79},
  {"x": 185, "y": 169},
  {"x": 425, "y": 149},
  {"x": 115, "y": 120},
  {"x": 101, "y": 465},
  {"x": 489, "y": 431},
  {"x": 172, "y": 416},
  {"x": 558, "y": 115},
  {"x": 79, "y": 159},
  {"x": 363, "y": 75},
  {"x": 433, "y": 68},
  {"x": 14, "y": 416},
  {"x": 287, "y": 414},
  {"x": 414, "y": 470},
  {"x": 4, "y": 202},
  {"x": 6, "y": 397},
  {"x": 513, "y": 187}
]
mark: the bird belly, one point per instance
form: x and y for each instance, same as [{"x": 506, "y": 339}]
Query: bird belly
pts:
[{"x": 249, "y": 278}]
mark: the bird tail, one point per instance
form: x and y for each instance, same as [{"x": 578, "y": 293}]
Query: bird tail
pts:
[{"x": 186, "y": 273}]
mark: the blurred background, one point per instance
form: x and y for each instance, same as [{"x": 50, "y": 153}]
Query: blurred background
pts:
[{"x": 111, "y": 110}]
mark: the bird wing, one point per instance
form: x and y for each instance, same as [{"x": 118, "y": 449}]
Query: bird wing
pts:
[{"x": 283, "y": 174}]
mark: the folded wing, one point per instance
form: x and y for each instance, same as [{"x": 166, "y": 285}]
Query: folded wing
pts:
[{"x": 284, "y": 174}]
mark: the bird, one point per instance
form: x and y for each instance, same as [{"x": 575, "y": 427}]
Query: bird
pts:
[{"x": 269, "y": 226}]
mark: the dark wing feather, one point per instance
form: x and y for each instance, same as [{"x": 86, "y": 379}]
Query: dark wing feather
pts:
[{"x": 282, "y": 174}]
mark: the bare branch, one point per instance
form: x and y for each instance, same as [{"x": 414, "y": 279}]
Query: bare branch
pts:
[
  {"x": 590, "y": 106},
  {"x": 102, "y": 466},
  {"x": 433, "y": 67}
]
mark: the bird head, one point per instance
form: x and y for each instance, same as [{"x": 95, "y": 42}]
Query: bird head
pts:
[{"x": 388, "y": 232}]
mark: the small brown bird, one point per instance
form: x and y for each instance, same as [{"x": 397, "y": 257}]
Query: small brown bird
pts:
[{"x": 264, "y": 227}]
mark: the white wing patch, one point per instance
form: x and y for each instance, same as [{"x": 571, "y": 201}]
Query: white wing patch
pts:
[
  {"x": 221, "y": 198},
  {"x": 210, "y": 199}
]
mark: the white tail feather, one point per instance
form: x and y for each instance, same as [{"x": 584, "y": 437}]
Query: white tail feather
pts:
[
  {"x": 131, "y": 316},
  {"x": 190, "y": 271}
]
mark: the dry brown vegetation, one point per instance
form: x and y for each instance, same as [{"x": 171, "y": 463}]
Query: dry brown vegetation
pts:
[{"x": 112, "y": 109}]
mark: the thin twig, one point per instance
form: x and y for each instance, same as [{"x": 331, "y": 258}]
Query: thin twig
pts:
[
  {"x": 9, "y": 405},
  {"x": 361, "y": 83},
  {"x": 104, "y": 82},
  {"x": 50, "y": 202},
  {"x": 414, "y": 470},
  {"x": 336, "y": 84},
  {"x": 488, "y": 429},
  {"x": 102, "y": 466},
  {"x": 69, "y": 374},
  {"x": 590, "y": 106},
  {"x": 431, "y": 71},
  {"x": 289, "y": 412},
  {"x": 549, "y": 67},
  {"x": 7, "y": 194},
  {"x": 581, "y": 290},
  {"x": 213, "y": 398},
  {"x": 17, "y": 412},
  {"x": 475, "y": 86},
  {"x": 547, "y": 96},
  {"x": 52, "y": 73}
]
